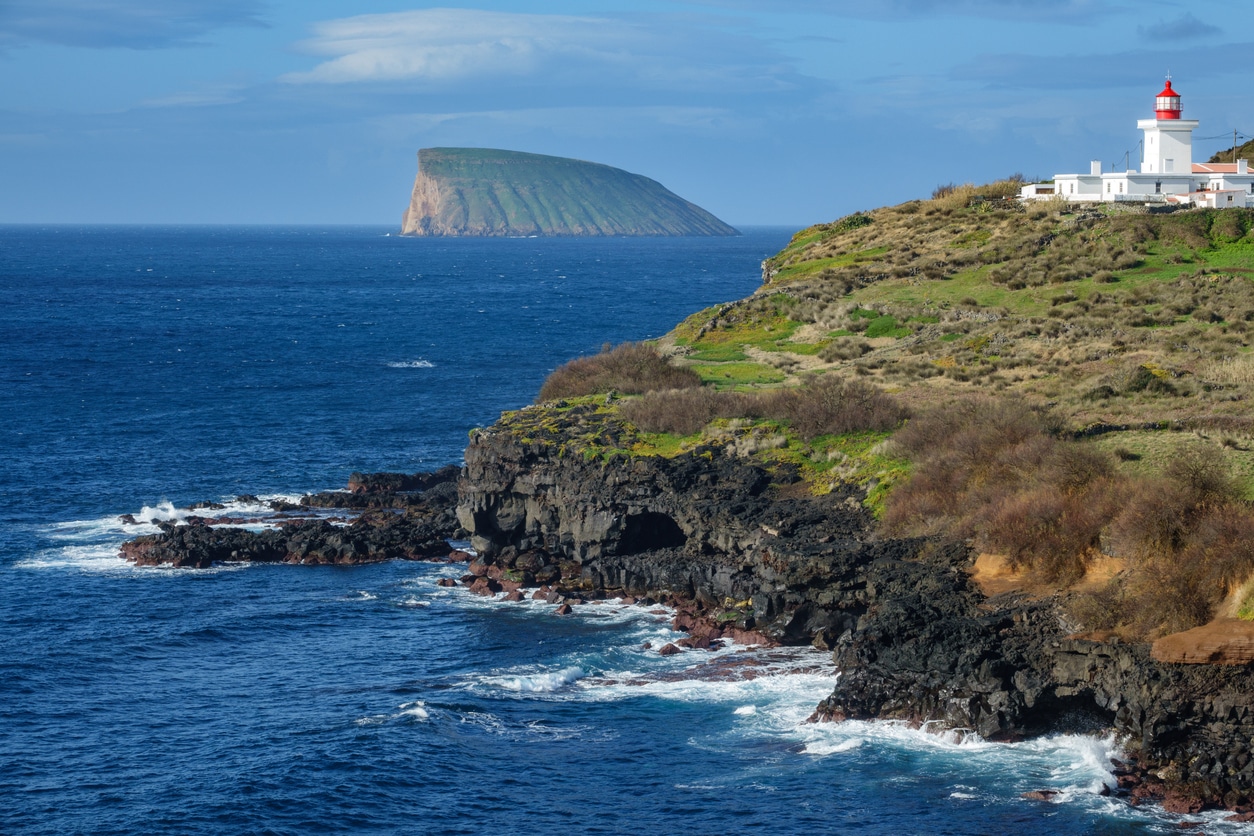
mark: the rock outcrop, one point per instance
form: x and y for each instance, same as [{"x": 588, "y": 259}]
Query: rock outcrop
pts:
[
  {"x": 485, "y": 192},
  {"x": 386, "y": 524},
  {"x": 916, "y": 640}
]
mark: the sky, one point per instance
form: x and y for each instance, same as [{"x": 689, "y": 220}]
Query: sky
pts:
[{"x": 786, "y": 112}]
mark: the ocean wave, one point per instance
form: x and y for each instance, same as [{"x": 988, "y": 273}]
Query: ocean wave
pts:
[
  {"x": 542, "y": 683},
  {"x": 104, "y": 558},
  {"x": 1073, "y": 765},
  {"x": 411, "y": 364},
  {"x": 531, "y": 730},
  {"x": 416, "y": 710}
]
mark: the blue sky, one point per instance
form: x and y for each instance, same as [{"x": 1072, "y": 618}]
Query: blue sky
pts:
[{"x": 312, "y": 111}]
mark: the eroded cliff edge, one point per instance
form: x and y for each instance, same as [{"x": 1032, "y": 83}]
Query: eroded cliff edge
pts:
[
  {"x": 914, "y": 637},
  {"x": 487, "y": 192}
]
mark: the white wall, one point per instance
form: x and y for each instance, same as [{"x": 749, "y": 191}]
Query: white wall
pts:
[{"x": 1168, "y": 139}]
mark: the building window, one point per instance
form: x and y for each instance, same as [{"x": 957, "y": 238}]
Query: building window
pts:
[
  {"x": 1158, "y": 187},
  {"x": 1107, "y": 188},
  {"x": 1169, "y": 166}
]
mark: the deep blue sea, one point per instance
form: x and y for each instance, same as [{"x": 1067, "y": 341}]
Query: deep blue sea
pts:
[{"x": 146, "y": 368}]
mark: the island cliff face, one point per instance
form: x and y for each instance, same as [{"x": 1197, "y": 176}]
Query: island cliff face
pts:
[
  {"x": 485, "y": 192},
  {"x": 742, "y": 548}
]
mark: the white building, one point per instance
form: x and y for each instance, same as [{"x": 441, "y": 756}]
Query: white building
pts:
[{"x": 1167, "y": 175}]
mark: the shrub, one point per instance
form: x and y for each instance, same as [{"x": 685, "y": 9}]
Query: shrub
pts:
[
  {"x": 992, "y": 471},
  {"x": 630, "y": 368},
  {"x": 679, "y": 411},
  {"x": 1048, "y": 530},
  {"x": 844, "y": 349},
  {"x": 829, "y": 405},
  {"x": 825, "y": 405},
  {"x": 1201, "y": 471}
]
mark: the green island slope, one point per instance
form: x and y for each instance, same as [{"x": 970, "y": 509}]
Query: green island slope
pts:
[
  {"x": 1076, "y": 382},
  {"x": 486, "y": 192}
]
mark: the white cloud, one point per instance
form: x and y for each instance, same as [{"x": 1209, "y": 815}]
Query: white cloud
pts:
[
  {"x": 452, "y": 44},
  {"x": 441, "y": 47}
]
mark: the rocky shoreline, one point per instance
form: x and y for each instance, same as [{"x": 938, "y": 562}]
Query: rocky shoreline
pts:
[{"x": 749, "y": 555}]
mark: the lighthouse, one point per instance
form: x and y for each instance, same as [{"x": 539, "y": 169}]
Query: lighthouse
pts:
[
  {"x": 1168, "y": 138},
  {"x": 1167, "y": 174}
]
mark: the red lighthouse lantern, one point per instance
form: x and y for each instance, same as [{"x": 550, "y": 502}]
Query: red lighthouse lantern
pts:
[{"x": 1167, "y": 105}]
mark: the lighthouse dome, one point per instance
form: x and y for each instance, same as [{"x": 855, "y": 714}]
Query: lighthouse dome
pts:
[{"x": 1167, "y": 103}]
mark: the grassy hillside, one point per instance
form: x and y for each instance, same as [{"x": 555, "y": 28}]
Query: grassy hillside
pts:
[
  {"x": 1077, "y": 382},
  {"x": 491, "y": 192},
  {"x": 1243, "y": 152},
  {"x": 1112, "y": 315}
]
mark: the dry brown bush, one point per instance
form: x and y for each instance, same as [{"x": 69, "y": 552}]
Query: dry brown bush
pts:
[
  {"x": 990, "y": 470},
  {"x": 630, "y": 368},
  {"x": 679, "y": 411},
  {"x": 825, "y": 405},
  {"x": 831, "y": 405},
  {"x": 1190, "y": 539},
  {"x": 1051, "y": 531}
]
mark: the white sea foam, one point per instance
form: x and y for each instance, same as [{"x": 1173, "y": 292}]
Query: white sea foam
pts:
[
  {"x": 823, "y": 747},
  {"x": 542, "y": 683},
  {"x": 105, "y": 559},
  {"x": 531, "y": 730},
  {"x": 416, "y": 710},
  {"x": 414, "y": 602},
  {"x": 83, "y": 558},
  {"x": 746, "y": 709},
  {"x": 163, "y": 511},
  {"x": 411, "y": 364}
]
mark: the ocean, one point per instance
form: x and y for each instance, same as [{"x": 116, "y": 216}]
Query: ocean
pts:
[{"x": 143, "y": 369}]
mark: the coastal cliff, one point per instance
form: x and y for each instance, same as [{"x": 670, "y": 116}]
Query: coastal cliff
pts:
[
  {"x": 741, "y": 545},
  {"x": 485, "y": 192}
]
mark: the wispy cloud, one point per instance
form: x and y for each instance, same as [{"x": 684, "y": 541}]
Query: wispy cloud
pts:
[
  {"x": 440, "y": 47},
  {"x": 134, "y": 24},
  {"x": 205, "y": 97},
  {"x": 1055, "y": 11},
  {"x": 1184, "y": 28}
]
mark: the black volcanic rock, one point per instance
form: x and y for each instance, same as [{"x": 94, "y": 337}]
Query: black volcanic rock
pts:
[
  {"x": 722, "y": 539},
  {"x": 419, "y": 531}
]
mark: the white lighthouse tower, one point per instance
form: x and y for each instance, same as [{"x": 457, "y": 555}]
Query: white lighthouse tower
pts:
[
  {"x": 1167, "y": 173},
  {"x": 1168, "y": 138}
]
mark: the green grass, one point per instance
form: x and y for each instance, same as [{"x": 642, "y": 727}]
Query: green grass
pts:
[
  {"x": 727, "y": 375},
  {"x": 664, "y": 445},
  {"x": 719, "y": 354},
  {"x": 812, "y": 267},
  {"x": 832, "y": 460},
  {"x": 1155, "y": 449},
  {"x": 886, "y": 326},
  {"x": 805, "y": 349}
]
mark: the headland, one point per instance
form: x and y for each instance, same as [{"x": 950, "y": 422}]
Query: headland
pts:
[{"x": 487, "y": 192}]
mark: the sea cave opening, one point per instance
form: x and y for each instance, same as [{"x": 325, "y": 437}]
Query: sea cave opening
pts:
[{"x": 648, "y": 531}]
